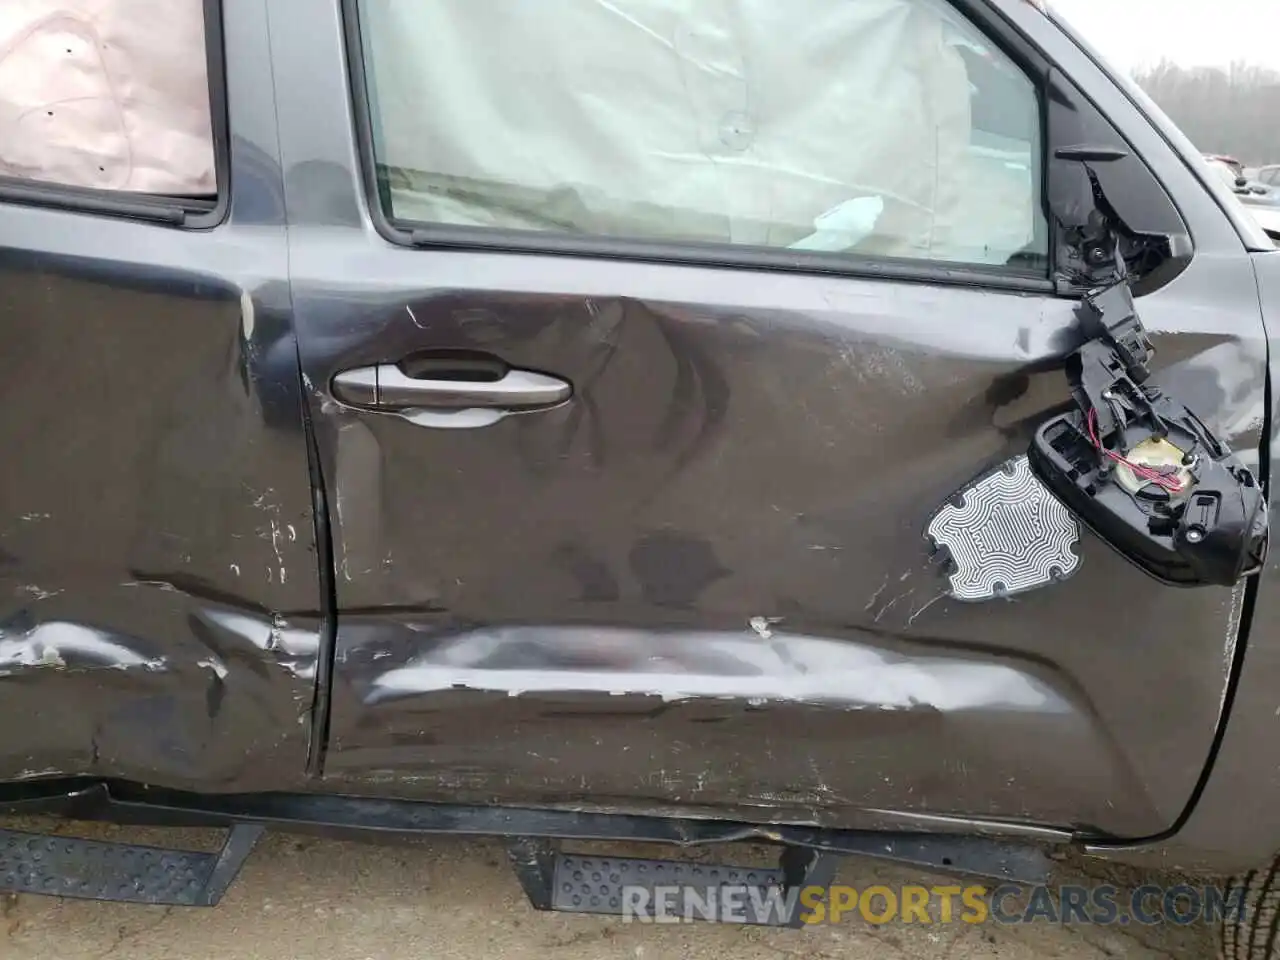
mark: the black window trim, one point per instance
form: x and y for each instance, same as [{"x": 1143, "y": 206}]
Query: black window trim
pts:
[
  {"x": 417, "y": 235},
  {"x": 188, "y": 212}
]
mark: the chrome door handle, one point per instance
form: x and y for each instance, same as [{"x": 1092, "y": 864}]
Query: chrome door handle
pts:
[{"x": 386, "y": 387}]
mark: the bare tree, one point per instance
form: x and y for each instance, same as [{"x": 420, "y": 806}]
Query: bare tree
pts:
[{"x": 1231, "y": 111}]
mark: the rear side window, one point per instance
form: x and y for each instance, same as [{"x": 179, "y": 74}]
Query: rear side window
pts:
[
  {"x": 885, "y": 128},
  {"x": 108, "y": 96}
]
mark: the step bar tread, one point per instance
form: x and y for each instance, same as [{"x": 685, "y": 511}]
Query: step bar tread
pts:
[
  {"x": 62, "y": 866},
  {"x": 598, "y": 884}
]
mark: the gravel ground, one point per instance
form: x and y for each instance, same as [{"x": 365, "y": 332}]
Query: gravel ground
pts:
[{"x": 311, "y": 899}]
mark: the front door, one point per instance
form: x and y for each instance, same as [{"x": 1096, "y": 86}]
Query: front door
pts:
[{"x": 642, "y": 341}]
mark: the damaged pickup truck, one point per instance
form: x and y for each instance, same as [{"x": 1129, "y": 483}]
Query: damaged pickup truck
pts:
[{"x": 846, "y": 424}]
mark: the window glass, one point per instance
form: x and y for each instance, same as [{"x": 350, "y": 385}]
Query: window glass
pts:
[
  {"x": 110, "y": 94},
  {"x": 874, "y": 127}
]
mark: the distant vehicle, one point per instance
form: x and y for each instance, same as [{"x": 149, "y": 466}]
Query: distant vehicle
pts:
[
  {"x": 1264, "y": 207},
  {"x": 1270, "y": 175},
  {"x": 1236, "y": 166},
  {"x": 1259, "y": 195},
  {"x": 1223, "y": 170},
  {"x": 1261, "y": 201},
  {"x": 1233, "y": 176},
  {"x": 1267, "y": 216}
]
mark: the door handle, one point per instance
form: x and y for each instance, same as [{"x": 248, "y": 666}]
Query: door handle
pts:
[{"x": 386, "y": 387}]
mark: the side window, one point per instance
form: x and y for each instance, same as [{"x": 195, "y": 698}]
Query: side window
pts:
[
  {"x": 887, "y": 128},
  {"x": 106, "y": 95}
]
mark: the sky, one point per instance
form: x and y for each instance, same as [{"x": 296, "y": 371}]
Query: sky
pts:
[{"x": 1133, "y": 33}]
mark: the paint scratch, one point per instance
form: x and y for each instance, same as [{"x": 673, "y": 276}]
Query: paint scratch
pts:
[
  {"x": 762, "y": 626},
  {"x": 912, "y": 619},
  {"x": 215, "y": 665},
  {"x": 885, "y": 609},
  {"x": 876, "y": 596},
  {"x": 39, "y": 593},
  {"x": 276, "y": 536}
]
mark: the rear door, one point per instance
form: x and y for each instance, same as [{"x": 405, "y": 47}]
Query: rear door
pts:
[
  {"x": 641, "y": 342},
  {"x": 159, "y": 601}
]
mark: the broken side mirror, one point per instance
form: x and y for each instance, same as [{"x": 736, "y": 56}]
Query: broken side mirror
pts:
[{"x": 1140, "y": 469}]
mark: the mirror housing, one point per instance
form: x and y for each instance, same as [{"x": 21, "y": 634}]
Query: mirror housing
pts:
[
  {"x": 1213, "y": 533},
  {"x": 1140, "y": 469}
]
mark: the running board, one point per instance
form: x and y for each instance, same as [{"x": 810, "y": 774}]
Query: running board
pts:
[
  {"x": 781, "y": 896},
  {"x": 97, "y": 870},
  {"x": 1008, "y": 853}
]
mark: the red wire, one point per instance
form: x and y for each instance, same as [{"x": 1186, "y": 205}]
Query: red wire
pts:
[{"x": 1172, "y": 484}]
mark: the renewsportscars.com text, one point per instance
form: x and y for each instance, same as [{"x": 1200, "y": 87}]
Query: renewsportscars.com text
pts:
[{"x": 1010, "y": 903}]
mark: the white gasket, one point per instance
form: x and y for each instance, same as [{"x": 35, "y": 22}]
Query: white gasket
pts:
[{"x": 1005, "y": 533}]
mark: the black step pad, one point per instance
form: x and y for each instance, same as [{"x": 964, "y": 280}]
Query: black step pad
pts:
[
  {"x": 97, "y": 870},
  {"x": 641, "y": 888}
]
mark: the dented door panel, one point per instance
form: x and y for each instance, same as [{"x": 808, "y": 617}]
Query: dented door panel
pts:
[
  {"x": 702, "y": 583},
  {"x": 159, "y": 602}
]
